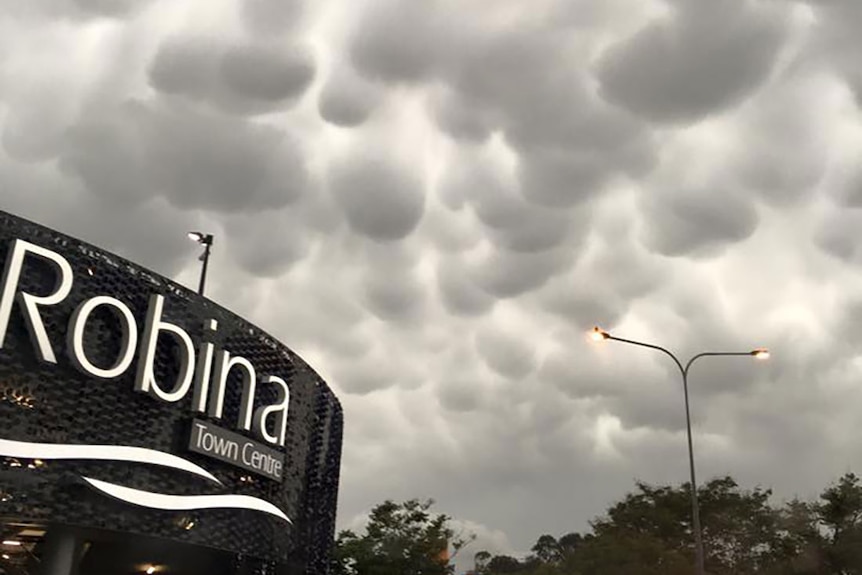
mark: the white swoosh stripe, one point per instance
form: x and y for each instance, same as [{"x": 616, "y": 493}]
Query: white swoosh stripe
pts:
[
  {"x": 27, "y": 450},
  {"x": 185, "y": 502}
]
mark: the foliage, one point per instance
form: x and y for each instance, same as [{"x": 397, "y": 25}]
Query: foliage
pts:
[
  {"x": 400, "y": 539},
  {"x": 648, "y": 532}
]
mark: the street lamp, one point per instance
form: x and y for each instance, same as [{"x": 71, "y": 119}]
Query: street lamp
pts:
[
  {"x": 597, "y": 334},
  {"x": 205, "y": 240}
]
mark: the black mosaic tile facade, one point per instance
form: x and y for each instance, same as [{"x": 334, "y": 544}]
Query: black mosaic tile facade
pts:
[{"x": 58, "y": 404}]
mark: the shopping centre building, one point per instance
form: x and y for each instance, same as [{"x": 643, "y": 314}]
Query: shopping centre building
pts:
[{"x": 145, "y": 429}]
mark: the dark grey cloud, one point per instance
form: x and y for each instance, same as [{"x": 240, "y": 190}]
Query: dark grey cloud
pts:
[
  {"x": 381, "y": 200},
  {"x": 272, "y": 17},
  {"x": 109, "y": 7},
  {"x": 384, "y": 367},
  {"x": 572, "y": 376},
  {"x": 394, "y": 298},
  {"x": 364, "y": 378},
  {"x": 186, "y": 66},
  {"x": 570, "y": 144},
  {"x": 267, "y": 72},
  {"x": 77, "y": 9},
  {"x": 460, "y": 394},
  {"x": 508, "y": 354},
  {"x": 838, "y": 235},
  {"x": 398, "y": 41},
  {"x": 514, "y": 224},
  {"x": 34, "y": 131},
  {"x": 703, "y": 58},
  {"x": 244, "y": 78},
  {"x": 835, "y": 41},
  {"x": 153, "y": 234},
  {"x": 343, "y": 325},
  {"x": 347, "y": 100},
  {"x": 610, "y": 273},
  {"x": 506, "y": 274},
  {"x": 458, "y": 293},
  {"x": 559, "y": 177},
  {"x": 782, "y": 154},
  {"x": 698, "y": 222},
  {"x": 193, "y": 157},
  {"x": 520, "y": 84},
  {"x": 267, "y": 244},
  {"x": 847, "y": 190},
  {"x": 451, "y": 231},
  {"x": 585, "y": 303},
  {"x": 107, "y": 155},
  {"x": 463, "y": 119}
]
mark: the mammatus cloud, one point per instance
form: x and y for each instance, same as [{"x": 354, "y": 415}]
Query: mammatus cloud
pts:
[
  {"x": 698, "y": 221},
  {"x": 78, "y": 10},
  {"x": 459, "y": 294},
  {"x": 701, "y": 58},
  {"x": 505, "y": 353},
  {"x": 347, "y": 100},
  {"x": 272, "y": 17},
  {"x": 244, "y": 78},
  {"x": 432, "y": 204},
  {"x": 381, "y": 200},
  {"x": 192, "y": 157}
]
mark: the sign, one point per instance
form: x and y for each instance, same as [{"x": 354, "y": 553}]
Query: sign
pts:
[
  {"x": 219, "y": 443},
  {"x": 130, "y": 403},
  {"x": 203, "y": 372}
]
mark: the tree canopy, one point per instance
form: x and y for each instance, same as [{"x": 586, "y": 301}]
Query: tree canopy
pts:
[
  {"x": 400, "y": 539},
  {"x": 647, "y": 532}
]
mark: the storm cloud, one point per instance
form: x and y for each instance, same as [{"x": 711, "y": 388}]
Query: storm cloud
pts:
[{"x": 432, "y": 204}]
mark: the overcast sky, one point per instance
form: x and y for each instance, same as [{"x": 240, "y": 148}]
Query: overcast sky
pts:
[{"x": 432, "y": 201}]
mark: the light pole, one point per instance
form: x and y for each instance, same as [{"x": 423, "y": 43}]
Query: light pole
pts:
[
  {"x": 599, "y": 334},
  {"x": 205, "y": 240}
]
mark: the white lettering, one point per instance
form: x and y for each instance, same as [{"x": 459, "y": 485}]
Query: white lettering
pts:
[
  {"x": 226, "y": 447},
  {"x": 145, "y": 381},
  {"x": 278, "y": 410},
  {"x": 201, "y": 429},
  {"x": 209, "y": 375},
  {"x": 208, "y": 437},
  {"x": 30, "y": 303},
  {"x": 75, "y": 337},
  {"x": 202, "y": 372},
  {"x": 216, "y": 404},
  {"x": 260, "y": 461}
]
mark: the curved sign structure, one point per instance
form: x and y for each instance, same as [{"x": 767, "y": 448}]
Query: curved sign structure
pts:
[{"x": 128, "y": 401}]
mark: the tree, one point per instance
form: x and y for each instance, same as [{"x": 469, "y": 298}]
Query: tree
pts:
[
  {"x": 547, "y": 550},
  {"x": 569, "y": 543},
  {"x": 480, "y": 562},
  {"x": 502, "y": 564},
  {"x": 840, "y": 513},
  {"x": 801, "y": 543},
  {"x": 400, "y": 539},
  {"x": 649, "y": 532}
]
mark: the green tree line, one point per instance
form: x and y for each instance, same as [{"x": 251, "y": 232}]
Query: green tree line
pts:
[{"x": 648, "y": 532}]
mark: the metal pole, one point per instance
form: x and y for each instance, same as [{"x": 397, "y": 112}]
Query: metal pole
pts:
[
  {"x": 699, "y": 559},
  {"x": 208, "y": 241},
  {"x": 695, "y": 510}
]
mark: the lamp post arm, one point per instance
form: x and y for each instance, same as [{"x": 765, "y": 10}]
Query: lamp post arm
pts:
[
  {"x": 682, "y": 370},
  {"x": 712, "y": 354}
]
